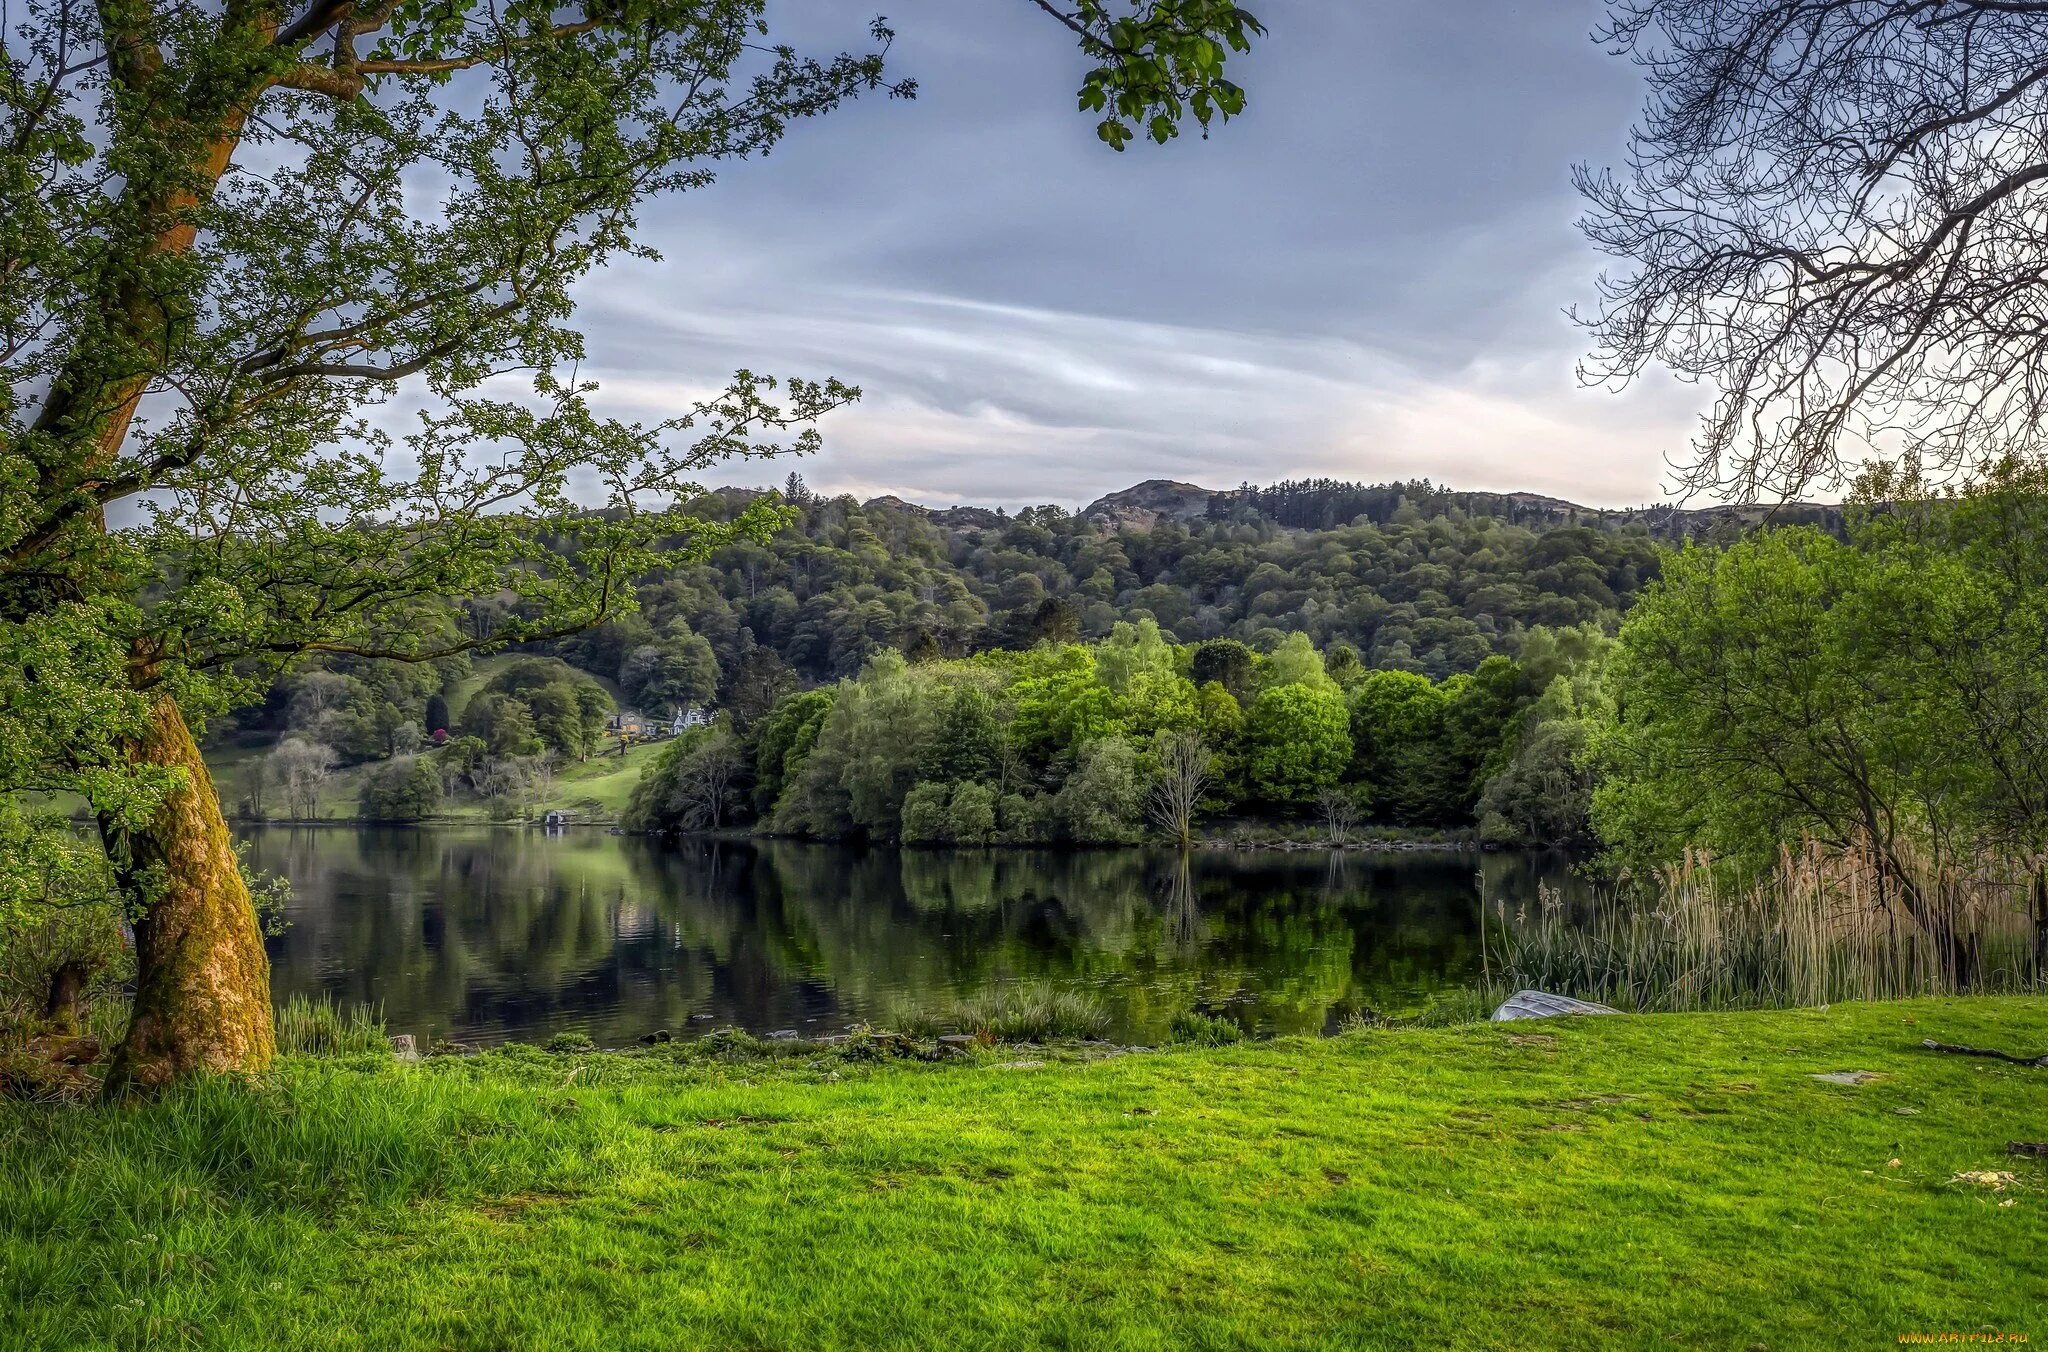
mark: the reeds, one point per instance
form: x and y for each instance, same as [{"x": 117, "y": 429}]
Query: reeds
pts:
[
  {"x": 319, "y": 1026},
  {"x": 1824, "y": 925},
  {"x": 1205, "y": 1030}
]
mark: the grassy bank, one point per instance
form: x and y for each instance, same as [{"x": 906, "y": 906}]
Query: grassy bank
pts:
[{"x": 1628, "y": 1182}]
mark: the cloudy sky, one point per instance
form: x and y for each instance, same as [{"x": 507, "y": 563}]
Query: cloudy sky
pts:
[{"x": 1364, "y": 276}]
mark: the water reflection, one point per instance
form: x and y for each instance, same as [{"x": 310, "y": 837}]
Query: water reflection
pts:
[{"x": 483, "y": 934}]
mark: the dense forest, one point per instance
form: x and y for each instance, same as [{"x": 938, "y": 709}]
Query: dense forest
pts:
[
  {"x": 1411, "y": 578},
  {"x": 1136, "y": 738},
  {"x": 1443, "y": 589},
  {"x": 1414, "y": 581}
]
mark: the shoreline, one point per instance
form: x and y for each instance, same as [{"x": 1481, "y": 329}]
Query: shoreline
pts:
[{"x": 1450, "y": 843}]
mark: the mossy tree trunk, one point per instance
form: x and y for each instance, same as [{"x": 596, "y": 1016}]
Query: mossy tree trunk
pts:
[
  {"x": 202, "y": 998},
  {"x": 2038, "y": 904}
]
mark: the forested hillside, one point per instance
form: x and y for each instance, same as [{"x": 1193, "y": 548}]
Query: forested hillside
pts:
[
  {"x": 1415, "y": 578},
  {"x": 1410, "y": 577}
]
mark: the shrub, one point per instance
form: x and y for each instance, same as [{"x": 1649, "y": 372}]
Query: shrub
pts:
[
  {"x": 972, "y": 814},
  {"x": 402, "y": 790},
  {"x": 1103, "y": 802},
  {"x": 925, "y": 817},
  {"x": 949, "y": 814},
  {"x": 1028, "y": 819}
]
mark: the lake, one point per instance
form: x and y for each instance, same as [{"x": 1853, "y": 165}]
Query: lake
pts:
[{"x": 485, "y": 934}]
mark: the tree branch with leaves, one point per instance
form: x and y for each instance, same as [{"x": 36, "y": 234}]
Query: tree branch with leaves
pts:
[{"x": 231, "y": 232}]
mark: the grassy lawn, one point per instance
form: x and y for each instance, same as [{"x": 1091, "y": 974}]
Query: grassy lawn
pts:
[
  {"x": 1622, "y": 1182},
  {"x": 603, "y": 783}
]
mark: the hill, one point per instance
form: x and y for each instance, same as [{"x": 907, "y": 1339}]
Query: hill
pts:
[
  {"x": 1143, "y": 506},
  {"x": 1411, "y": 575},
  {"x": 1326, "y": 503}
]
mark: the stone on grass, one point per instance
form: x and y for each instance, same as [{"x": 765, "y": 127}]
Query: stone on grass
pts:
[{"x": 1848, "y": 1077}]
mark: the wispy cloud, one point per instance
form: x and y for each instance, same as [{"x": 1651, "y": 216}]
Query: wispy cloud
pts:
[
  {"x": 1364, "y": 276},
  {"x": 971, "y": 401}
]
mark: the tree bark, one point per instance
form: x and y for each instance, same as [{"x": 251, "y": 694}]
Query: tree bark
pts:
[
  {"x": 202, "y": 999},
  {"x": 67, "y": 985},
  {"x": 2038, "y": 899}
]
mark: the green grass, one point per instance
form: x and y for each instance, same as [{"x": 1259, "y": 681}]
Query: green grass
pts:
[
  {"x": 602, "y": 782},
  {"x": 1644, "y": 1182},
  {"x": 1205, "y": 1030}
]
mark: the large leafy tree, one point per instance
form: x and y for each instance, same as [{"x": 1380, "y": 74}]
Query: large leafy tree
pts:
[
  {"x": 1881, "y": 695},
  {"x": 1832, "y": 212},
  {"x": 1746, "y": 718},
  {"x": 1397, "y": 733},
  {"x": 1298, "y": 740},
  {"x": 230, "y": 227}
]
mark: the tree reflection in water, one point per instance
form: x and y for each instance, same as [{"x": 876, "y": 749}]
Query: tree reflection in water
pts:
[{"x": 484, "y": 934}]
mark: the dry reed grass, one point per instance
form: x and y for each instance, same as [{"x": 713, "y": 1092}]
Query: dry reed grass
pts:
[{"x": 1824, "y": 925}]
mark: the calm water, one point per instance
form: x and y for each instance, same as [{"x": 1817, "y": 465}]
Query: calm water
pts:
[{"x": 485, "y": 934}]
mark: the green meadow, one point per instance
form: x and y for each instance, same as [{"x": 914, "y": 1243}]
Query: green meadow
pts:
[{"x": 1651, "y": 1182}]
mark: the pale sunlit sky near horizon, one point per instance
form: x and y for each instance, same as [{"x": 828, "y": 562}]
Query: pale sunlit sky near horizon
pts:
[{"x": 1363, "y": 277}]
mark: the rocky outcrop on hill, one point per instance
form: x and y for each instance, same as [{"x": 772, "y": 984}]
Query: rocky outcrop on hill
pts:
[{"x": 1143, "y": 506}]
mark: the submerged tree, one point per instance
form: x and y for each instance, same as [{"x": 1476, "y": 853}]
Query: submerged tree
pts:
[
  {"x": 1833, "y": 212},
  {"x": 227, "y": 231}
]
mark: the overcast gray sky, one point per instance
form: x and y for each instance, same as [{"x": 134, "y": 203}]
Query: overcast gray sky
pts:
[{"x": 1363, "y": 277}]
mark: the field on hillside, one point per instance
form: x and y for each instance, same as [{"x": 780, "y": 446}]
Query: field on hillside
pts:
[
  {"x": 1634, "y": 1182},
  {"x": 593, "y": 790}
]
